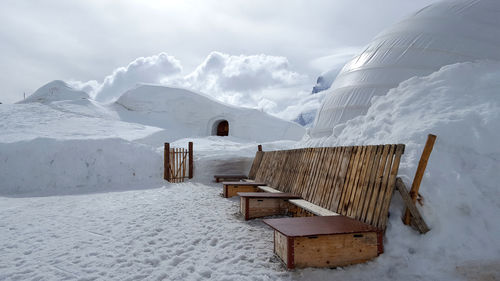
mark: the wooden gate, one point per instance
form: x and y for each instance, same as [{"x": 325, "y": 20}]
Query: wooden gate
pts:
[{"x": 178, "y": 163}]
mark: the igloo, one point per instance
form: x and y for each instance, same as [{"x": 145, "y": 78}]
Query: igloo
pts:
[{"x": 440, "y": 34}]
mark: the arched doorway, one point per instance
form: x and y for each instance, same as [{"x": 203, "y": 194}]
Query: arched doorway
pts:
[{"x": 223, "y": 128}]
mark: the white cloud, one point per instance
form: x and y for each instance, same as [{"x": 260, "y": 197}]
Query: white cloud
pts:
[
  {"x": 243, "y": 79},
  {"x": 151, "y": 69}
]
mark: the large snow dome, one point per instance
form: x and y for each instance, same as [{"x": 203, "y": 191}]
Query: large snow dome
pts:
[{"x": 438, "y": 35}]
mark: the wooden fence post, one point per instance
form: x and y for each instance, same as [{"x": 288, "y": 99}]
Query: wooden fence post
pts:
[
  {"x": 419, "y": 174},
  {"x": 190, "y": 151},
  {"x": 166, "y": 162}
]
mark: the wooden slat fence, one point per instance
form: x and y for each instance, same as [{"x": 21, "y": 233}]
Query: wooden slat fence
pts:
[
  {"x": 355, "y": 181},
  {"x": 178, "y": 163}
]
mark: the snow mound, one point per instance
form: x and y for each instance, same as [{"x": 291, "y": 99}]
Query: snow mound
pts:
[
  {"x": 45, "y": 166},
  {"x": 56, "y": 90},
  {"x": 443, "y": 33},
  {"x": 460, "y": 103},
  {"x": 183, "y": 113}
]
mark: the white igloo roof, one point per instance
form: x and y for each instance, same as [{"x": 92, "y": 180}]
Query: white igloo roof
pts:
[{"x": 438, "y": 35}]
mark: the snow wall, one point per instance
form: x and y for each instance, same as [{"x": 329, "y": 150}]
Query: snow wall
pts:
[
  {"x": 438, "y": 35},
  {"x": 46, "y": 166},
  {"x": 183, "y": 113}
]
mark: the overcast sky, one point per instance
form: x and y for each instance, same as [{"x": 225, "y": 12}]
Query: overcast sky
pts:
[{"x": 85, "y": 40}]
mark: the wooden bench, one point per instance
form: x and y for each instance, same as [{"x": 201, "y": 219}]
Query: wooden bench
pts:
[
  {"x": 354, "y": 181},
  {"x": 324, "y": 241},
  {"x": 261, "y": 204},
  {"x": 337, "y": 185}
]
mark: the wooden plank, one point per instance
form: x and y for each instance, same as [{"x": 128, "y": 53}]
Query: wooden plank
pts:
[
  {"x": 301, "y": 171},
  {"x": 268, "y": 189},
  {"x": 184, "y": 163},
  {"x": 383, "y": 187},
  {"x": 334, "y": 250},
  {"x": 191, "y": 164},
  {"x": 287, "y": 171},
  {"x": 166, "y": 161},
  {"x": 281, "y": 247},
  {"x": 417, "y": 218},
  {"x": 349, "y": 200},
  {"x": 298, "y": 154},
  {"x": 310, "y": 207},
  {"x": 315, "y": 172},
  {"x": 371, "y": 182},
  {"x": 332, "y": 177},
  {"x": 419, "y": 173},
  {"x": 281, "y": 159},
  {"x": 353, "y": 161},
  {"x": 320, "y": 197},
  {"x": 391, "y": 181},
  {"x": 264, "y": 165},
  {"x": 362, "y": 182},
  {"x": 360, "y": 202},
  {"x": 339, "y": 182},
  {"x": 376, "y": 187}
]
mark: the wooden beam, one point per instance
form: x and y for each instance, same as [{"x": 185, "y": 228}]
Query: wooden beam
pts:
[
  {"x": 415, "y": 214},
  {"x": 419, "y": 174},
  {"x": 190, "y": 151},
  {"x": 166, "y": 162}
]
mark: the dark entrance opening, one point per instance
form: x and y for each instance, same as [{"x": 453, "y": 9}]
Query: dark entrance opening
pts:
[{"x": 223, "y": 128}]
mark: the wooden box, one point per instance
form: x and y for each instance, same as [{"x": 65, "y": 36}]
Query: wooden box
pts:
[
  {"x": 230, "y": 189},
  {"x": 324, "y": 241},
  {"x": 262, "y": 204}
]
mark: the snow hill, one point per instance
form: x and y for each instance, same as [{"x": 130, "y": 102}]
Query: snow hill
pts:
[{"x": 55, "y": 91}]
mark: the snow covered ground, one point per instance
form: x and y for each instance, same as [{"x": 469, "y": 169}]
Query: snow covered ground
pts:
[{"x": 180, "y": 232}]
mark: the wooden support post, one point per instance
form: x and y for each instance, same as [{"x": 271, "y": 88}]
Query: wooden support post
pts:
[
  {"x": 418, "y": 221},
  {"x": 259, "y": 147},
  {"x": 166, "y": 162},
  {"x": 419, "y": 174},
  {"x": 190, "y": 151}
]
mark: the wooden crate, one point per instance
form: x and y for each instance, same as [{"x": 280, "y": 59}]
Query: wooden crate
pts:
[
  {"x": 324, "y": 241},
  {"x": 262, "y": 204},
  {"x": 231, "y": 189}
]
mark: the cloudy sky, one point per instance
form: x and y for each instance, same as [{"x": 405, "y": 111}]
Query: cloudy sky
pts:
[{"x": 254, "y": 53}]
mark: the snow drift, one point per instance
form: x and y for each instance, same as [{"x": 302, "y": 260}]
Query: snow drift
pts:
[
  {"x": 438, "y": 35},
  {"x": 460, "y": 103}
]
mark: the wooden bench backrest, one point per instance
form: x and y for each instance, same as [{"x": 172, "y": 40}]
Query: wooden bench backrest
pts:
[
  {"x": 355, "y": 181},
  {"x": 255, "y": 165}
]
